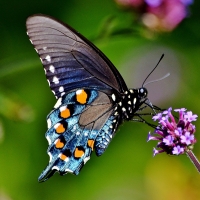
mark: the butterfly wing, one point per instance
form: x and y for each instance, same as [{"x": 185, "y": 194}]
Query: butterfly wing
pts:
[
  {"x": 70, "y": 61},
  {"x": 74, "y": 131}
]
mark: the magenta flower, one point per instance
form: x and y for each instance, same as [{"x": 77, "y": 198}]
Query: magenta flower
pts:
[
  {"x": 159, "y": 15},
  {"x": 173, "y": 137}
]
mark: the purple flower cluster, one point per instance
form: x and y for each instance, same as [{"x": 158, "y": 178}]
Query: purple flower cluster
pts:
[
  {"x": 173, "y": 137},
  {"x": 160, "y": 15}
]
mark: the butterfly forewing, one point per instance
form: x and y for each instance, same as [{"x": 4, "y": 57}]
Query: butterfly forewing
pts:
[{"x": 70, "y": 61}]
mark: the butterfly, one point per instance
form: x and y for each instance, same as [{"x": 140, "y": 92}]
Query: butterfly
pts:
[{"x": 92, "y": 97}]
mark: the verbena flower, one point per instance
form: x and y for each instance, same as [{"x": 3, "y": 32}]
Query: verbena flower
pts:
[
  {"x": 174, "y": 137},
  {"x": 159, "y": 15}
]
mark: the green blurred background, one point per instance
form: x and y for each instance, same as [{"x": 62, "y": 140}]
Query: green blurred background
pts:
[{"x": 127, "y": 170}]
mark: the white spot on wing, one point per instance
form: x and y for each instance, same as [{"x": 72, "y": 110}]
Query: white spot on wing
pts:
[
  {"x": 58, "y": 103},
  {"x": 78, "y": 133},
  {"x": 85, "y": 134},
  {"x": 52, "y": 68},
  {"x": 79, "y": 91},
  {"x": 113, "y": 97},
  {"x": 56, "y": 125},
  {"x": 61, "y": 89},
  {"x": 56, "y": 141},
  {"x": 55, "y": 80},
  {"x": 45, "y": 48},
  {"x": 66, "y": 159},
  {"x": 49, "y": 123},
  {"x": 86, "y": 159},
  {"x": 50, "y": 156},
  {"x": 63, "y": 93},
  {"x": 48, "y": 58},
  {"x": 55, "y": 167},
  {"x": 48, "y": 139},
  {"x": 134, "y": 101},
  {"x": 68, "y": 170},
  {"x": 63, "y": 108}
]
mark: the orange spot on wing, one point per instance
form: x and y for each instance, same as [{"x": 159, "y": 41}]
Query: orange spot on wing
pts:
[
  {"x": 78, "y": 153},
  {"x": 63, "y": 157},
  {"x": 59, "y": 144},
  {"x": 91, "y": 144},
  {"x": 60, "y": 128},
  {"x": 65, "y": 113},
  {"x": 81, "y": 96}
]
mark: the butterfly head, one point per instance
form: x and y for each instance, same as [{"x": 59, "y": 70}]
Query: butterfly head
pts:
[{"x": 142, "y": 92}]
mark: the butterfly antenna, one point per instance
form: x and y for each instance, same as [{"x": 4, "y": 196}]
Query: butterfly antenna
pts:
[
  {"x": 165, "y": 76},
  {"x": 153, "y": 69}
]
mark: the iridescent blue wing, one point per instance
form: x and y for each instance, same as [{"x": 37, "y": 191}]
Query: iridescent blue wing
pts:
[
  {"x": 70, "y": 61},
  {"x": 74, "y": 130}
]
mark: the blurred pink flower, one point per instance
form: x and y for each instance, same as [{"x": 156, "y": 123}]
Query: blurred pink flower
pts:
[{"x": 160, "y": 15}]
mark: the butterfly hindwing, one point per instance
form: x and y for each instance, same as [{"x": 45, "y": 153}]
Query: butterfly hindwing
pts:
[
  {"x": 76, "y": 125},
  {"x": 70, "y": 61}
]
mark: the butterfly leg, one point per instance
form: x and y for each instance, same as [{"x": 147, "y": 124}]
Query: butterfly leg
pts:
[
  {"x": 142, "y": 108},
  {"x": 141, "y": 119},
  {"x": 157, "y": 108}
]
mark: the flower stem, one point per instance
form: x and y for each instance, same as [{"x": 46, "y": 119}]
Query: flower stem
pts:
[{"x": 194, "y": 159}]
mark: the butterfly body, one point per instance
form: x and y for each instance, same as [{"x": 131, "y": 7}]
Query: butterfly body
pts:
[{"x": 92, "y": 97}]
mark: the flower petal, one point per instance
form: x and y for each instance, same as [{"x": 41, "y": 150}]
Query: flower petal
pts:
[{"x": 178, "y": 150}]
